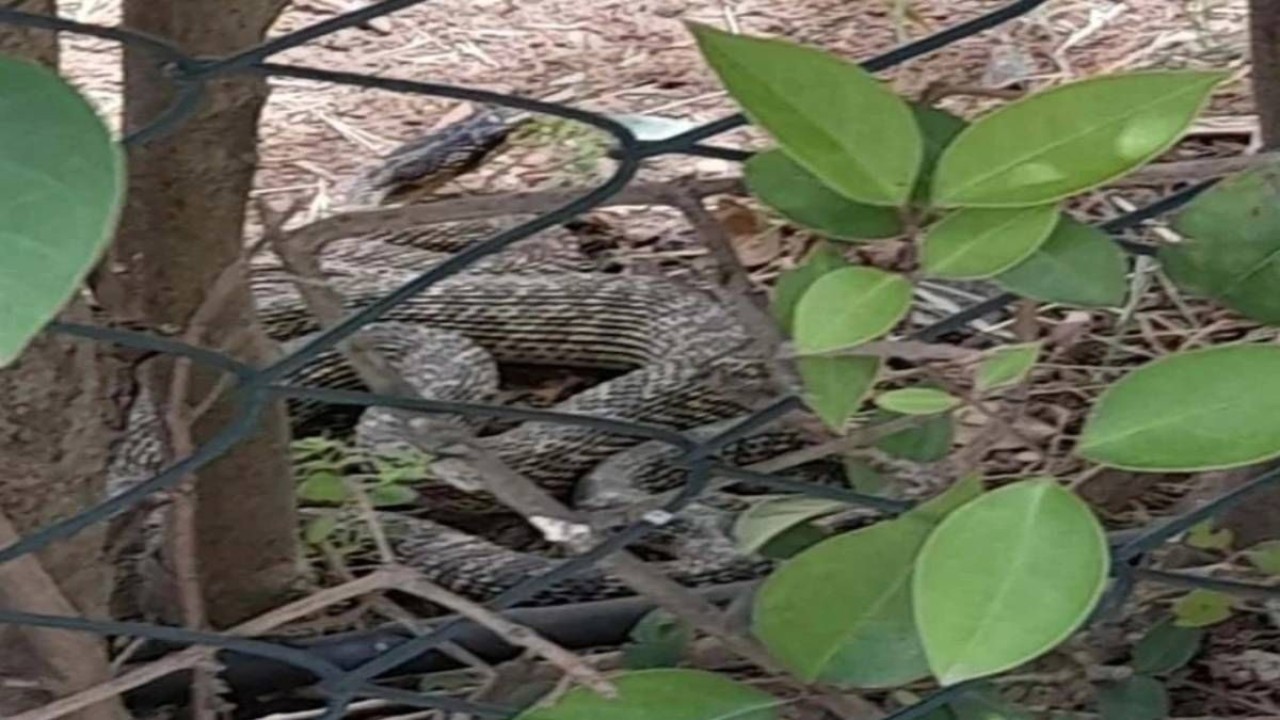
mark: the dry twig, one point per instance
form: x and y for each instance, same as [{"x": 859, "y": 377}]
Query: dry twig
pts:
[{"x": 76, "y": 658}]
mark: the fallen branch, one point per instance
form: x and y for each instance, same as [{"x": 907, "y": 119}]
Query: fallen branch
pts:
[
  {"x": 515, "y": 634},
  {"x": 192, "y": 657},
  {"x": 735, "y": 287},
  {"x": 75, "y": 658}
]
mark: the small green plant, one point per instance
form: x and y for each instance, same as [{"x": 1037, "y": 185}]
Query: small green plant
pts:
[
  {"x": 581, "y": 146},
  {"x": 334, "y": 475}
]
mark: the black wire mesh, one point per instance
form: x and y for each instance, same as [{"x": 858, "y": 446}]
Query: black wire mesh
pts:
[{"x": 257, "y": 387}]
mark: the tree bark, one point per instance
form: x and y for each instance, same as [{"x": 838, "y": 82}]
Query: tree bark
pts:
[
  {"x": 1264, "y": 26},
  {"x": 57, "y": 421},
  {"x": 182, "y": 227},
  {"x": 1257, "y": 518}
]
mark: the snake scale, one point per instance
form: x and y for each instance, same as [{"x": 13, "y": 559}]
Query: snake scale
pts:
[{"x": 679, "y": 358}]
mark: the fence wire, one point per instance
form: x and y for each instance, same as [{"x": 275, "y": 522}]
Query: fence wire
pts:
[{"x": 256, "y": 388}]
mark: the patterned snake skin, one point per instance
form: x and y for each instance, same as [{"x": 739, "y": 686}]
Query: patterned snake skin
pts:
[{"x": 679, "y": 359}]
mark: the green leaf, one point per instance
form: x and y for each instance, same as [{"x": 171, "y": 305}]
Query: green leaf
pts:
[
  {"x": 1233, "y": 262},
  {"x": 657, "y": 640},
  {"x": 1006, "y": 365},
  {"x": 392, "y": 495},
  {"x": 985, "y": 704},
  {"x": 938, "y": 128},
  {"x": 1201, "y": 608},
  {"x": 62, "y": 185},
  {"x": 980, "y": 243},
  {"x": 1266, "y": 556},
  {"x": 1071, "y": 138},
  {"x": 319, "y": 529},
  {"x": 1135, "y": 698},
  {"x": 832, "y": 117},
  {"x": 663, "y": 695},
  {"x": 1199, "y": 410},
  {"x": 928, "y": 442},
  {"x": 1165, "y": 648},
  {"x": 834, "y": 387},
  {"x": 793, "y": 541},
  {"x": 917, "y": 401},
  {"x": 1078, "y": 265},
  {"x": 793, "y": 283},
  {"x": 840, "y": 612},
  {"x": 850, "y": 306},
  {"x": 324, "y": 487},
  {"x": 1203, "y": 536},
  {"x": 782, "y": 184},
  {"x": 862, "y": 477},
  {"x": 770, "y": 517},
  {"x": 1006, "y": 578}
]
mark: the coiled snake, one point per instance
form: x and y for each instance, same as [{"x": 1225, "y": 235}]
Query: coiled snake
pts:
[{"x": 680, "y": 358}]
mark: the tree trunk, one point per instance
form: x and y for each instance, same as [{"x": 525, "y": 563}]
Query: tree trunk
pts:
[
  {"x": 1264, "y": 25},
  {"x": 182, "y": 226},
  {"x": 57, "y": 421},
  {"x": 1257, "y": 518}
]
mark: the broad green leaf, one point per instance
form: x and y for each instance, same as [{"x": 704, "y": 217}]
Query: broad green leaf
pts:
[
  {"x": 1265, "y": 556},
  {"x": 840, "y": 612},
  {"x": 1006, "y": 365},
  {"x": 938, "y": 128},
  {"x": 793, "y": 283},
  {"x": 782, "y": 184},
  {"x": 392, "y": 495},
  {"x": 770, "y": 517},
  {"x": 1060, "y": 142},
  {"x": 928, "y": 442},
  {"x": 1199, "y": 410},
  {"x": 1006, "y": 578},
  {"x": 1078, "y": 265},
  {"x": 917, "y": 401},
  {"x": 1201, "y": 608},
  {"x": 324, "y": 487},
  {"x": 663, "y": 695},
  {"x": 1165, "y": 648},
  {"x": 62, "y": 185},
  {"x": 832, "y": 117},
  {"x": 1233, "y": 262},
  {"x": 657, "y": 640},
  {"x": 834, "y": 387},
  {"x": 980, "y": 243},
  {"x": 1135, "y": 698},
  {"x": 849, "y": 306},
  {"x": 1204, "y": 537}
]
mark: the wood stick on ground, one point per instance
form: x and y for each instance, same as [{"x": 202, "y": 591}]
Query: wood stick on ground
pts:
[
  {"x": 376, "y": 581},
  {"x": 181, "y": 525},
  {"x": 736, "y": 288},
  {"x": 76, "y": 658},
  {"x": 517, "y": 635}
]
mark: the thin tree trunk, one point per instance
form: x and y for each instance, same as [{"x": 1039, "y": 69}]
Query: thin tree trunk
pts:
[
  {"x": 1264, "y": 24},
  {"x": 57, "y": 421},
  {"x": 1258, "y": 518},
  {"x": 183, "y": 225}
]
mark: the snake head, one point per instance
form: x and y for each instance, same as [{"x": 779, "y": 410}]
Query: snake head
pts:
[{"x": 415, "y": 169}]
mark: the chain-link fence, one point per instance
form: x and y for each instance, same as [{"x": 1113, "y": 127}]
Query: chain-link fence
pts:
[{"x": 257, "y": 387}]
